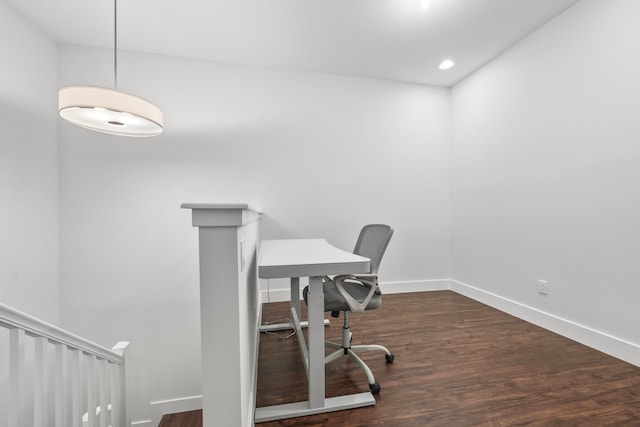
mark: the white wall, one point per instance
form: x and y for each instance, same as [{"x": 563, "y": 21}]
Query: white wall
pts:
[
  {"x": 28, "y": 168},
  {"x": 319, "y": 155},
  {"x": 546, "y": 166},
  {"x": 28, "y": 177}
]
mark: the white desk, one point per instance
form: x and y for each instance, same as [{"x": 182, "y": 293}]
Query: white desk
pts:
[{"x": 311, "y": 258}]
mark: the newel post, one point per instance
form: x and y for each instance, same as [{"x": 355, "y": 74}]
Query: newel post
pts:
[{"x": 229, "y": 298}]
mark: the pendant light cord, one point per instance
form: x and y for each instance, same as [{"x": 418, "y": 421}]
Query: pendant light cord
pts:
[{"x": 115, "y": 44}]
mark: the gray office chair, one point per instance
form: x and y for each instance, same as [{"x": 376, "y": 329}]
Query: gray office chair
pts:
[{"x": 357, "y": 293}]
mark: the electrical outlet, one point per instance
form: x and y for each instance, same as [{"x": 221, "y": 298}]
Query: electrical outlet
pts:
[{"x": 543, "y": 287}]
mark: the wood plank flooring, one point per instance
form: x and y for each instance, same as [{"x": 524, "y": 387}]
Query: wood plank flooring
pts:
[
  {"x": 182, "y": 419},
  {"x": 458, "y": 363}
]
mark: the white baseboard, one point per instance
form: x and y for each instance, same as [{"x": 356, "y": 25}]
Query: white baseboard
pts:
[
  {"x": 279, "y": 295},
  {"x": 414, "y": 286},
  {"x": 613, "y": 346},
  {"x": 275, "y": 295}
]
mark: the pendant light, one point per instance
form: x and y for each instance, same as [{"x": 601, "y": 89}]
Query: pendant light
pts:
[{"x": 109, "y": 110}]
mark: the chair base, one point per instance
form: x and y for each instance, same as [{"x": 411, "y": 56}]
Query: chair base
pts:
[{"x": 346, "y": 349}]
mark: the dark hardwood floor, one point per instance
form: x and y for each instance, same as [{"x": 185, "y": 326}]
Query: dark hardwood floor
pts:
[
  {"x": 182, "y": 419},
  {"x": 458, "y": 363}
]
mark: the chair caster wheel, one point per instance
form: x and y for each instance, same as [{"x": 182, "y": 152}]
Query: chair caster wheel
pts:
[
  {"x": 375, "y": 388},
  {"x": 389, "y": 357}
]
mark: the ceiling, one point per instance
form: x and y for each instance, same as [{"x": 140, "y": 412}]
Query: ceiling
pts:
[{"x": 387, "y": 39}]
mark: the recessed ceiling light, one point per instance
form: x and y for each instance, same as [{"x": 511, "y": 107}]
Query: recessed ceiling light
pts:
[
  {"x": 446, "y": 64},
  {"x": 424, "y": 4}
]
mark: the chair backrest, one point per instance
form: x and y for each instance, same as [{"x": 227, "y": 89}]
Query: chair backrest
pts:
[{"x": 372, "y": 243}]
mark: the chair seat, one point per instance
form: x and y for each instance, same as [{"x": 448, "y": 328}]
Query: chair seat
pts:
[{"x": 333, "y": 301}]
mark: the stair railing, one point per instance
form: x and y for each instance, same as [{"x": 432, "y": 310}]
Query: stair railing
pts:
[{"x": 57, "y": 378}]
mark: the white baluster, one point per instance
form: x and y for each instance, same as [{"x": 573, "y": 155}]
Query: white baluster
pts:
[
  {"x": 61, "y": 388},
  {"x": 76, "y": 387},
  {"x": 103, "y": 386},
  {"x": 90, "y": 371},
  {"x": 40, "y": 382},
  {"x": 116, "y": 405},
  {"x": 16, "y": 380}
]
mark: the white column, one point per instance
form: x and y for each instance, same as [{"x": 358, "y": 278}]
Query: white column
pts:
[
  {"x": 120, "y": 389},
  {"x": 227, "y": 232}
]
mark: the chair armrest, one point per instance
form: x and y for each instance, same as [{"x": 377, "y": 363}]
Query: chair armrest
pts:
[{"x": 355, "y": 305}]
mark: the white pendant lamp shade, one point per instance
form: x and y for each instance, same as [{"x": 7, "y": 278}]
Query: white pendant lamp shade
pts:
[{"x": 109, "y": 111}]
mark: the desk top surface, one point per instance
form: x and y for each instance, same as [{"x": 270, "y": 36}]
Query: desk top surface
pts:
[{"x": 306, "y": 257}]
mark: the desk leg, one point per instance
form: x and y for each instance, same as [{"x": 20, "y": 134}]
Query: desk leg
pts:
[
  {"x": 315, "y": 310},
  {"x": 295, "y": 295},
  {"x": 314, "y": 356},
  {"x": 295, "y": 306}
]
